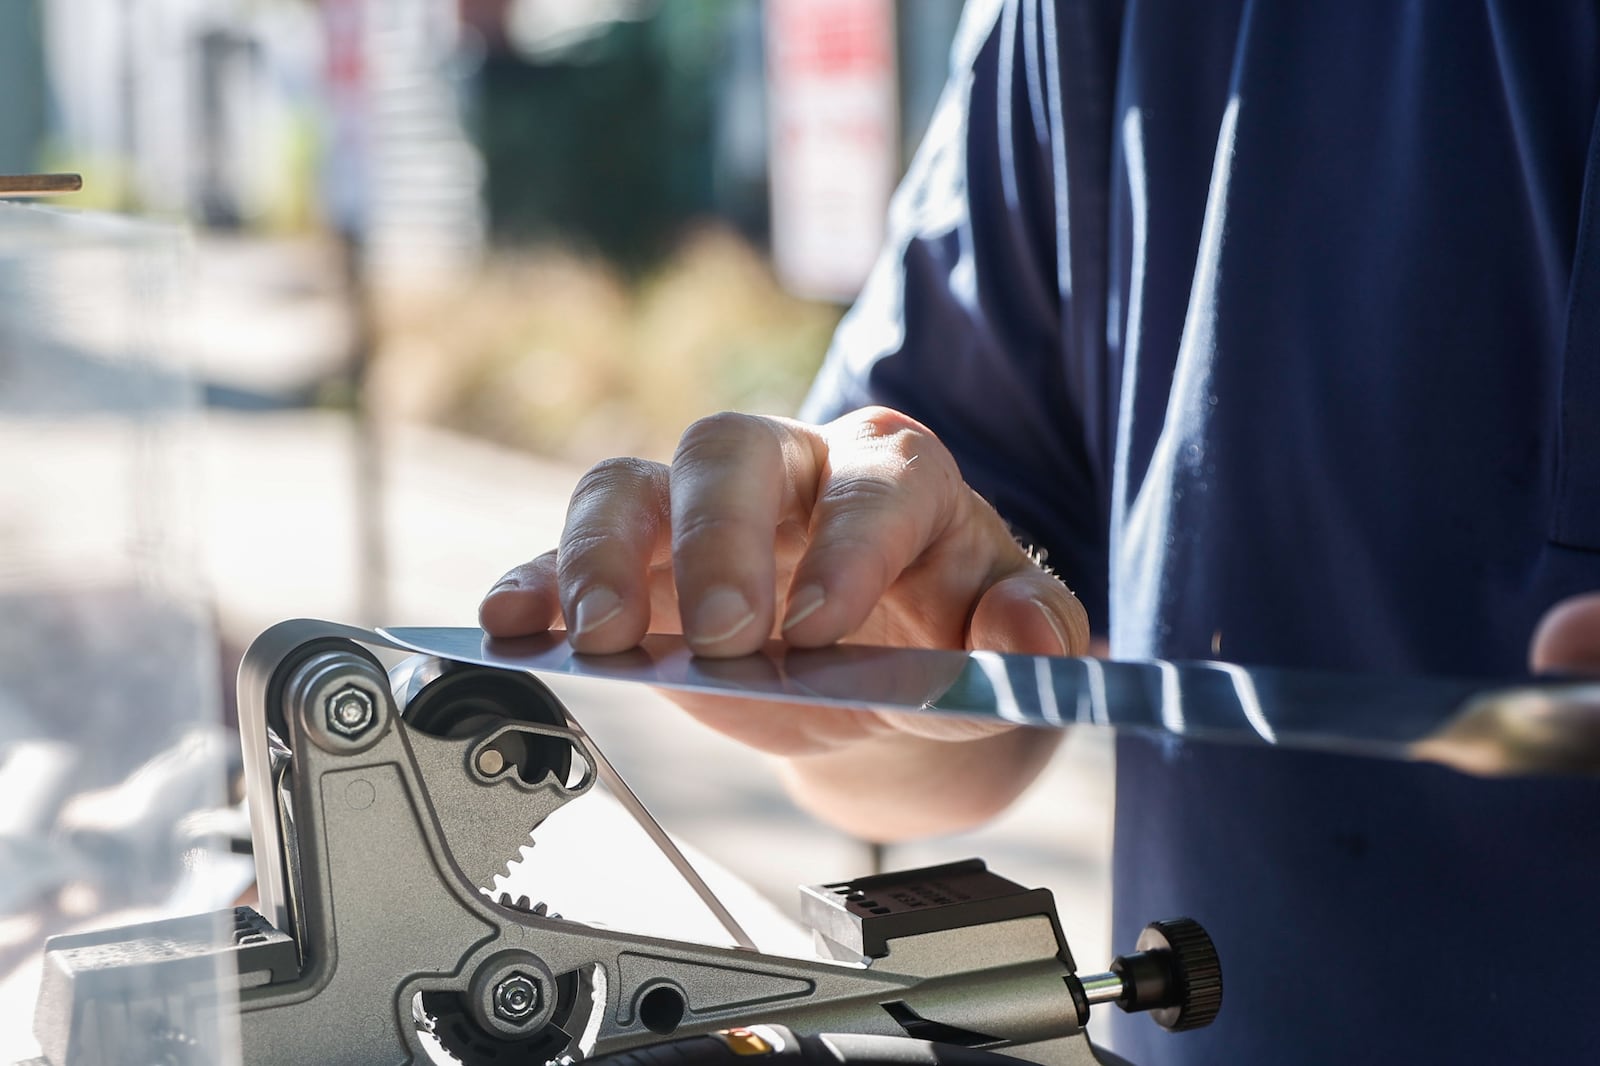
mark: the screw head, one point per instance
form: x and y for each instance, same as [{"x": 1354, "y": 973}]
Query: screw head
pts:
[
  {"x": 350, "y": 712},
  {"x": 516, "y": 997}
]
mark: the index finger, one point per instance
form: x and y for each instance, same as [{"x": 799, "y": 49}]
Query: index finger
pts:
[{"x": 615, "y": 525}]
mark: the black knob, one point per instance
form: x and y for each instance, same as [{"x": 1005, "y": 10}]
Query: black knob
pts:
[{"x": 1174, "y": 973}]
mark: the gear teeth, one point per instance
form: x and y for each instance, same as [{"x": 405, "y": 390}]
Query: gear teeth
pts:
[
  {"x": 524, "y": 904},
  {"x": 508, "y": 871}
]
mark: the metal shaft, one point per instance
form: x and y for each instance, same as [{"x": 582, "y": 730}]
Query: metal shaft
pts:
[{"x": 1102, "y": 987}]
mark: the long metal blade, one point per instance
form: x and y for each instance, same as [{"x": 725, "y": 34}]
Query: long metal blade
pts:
[{"x": 1517, "y": 728}]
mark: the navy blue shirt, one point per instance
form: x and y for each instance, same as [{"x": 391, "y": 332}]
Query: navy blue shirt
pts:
[{"x": 1278, "y": 326}]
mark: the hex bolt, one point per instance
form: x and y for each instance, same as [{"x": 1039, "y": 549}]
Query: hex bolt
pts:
[
  {"x": 512, "y": 994},
  {"x": 516, "y": 997},
  {"x": 350, "y": 712}
]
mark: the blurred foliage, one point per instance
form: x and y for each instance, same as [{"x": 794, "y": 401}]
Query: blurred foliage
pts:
[
  {"x": 608, "y": 146},
  {"x": 568, "y": 356}
]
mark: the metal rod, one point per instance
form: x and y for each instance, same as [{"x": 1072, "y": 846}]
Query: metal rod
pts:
[
  {"x": 1102, "y": 987},
  {"x": 631, "y": 803},
  {"x": 368, "y": 489},
  {"x": 39, "y": 184}
]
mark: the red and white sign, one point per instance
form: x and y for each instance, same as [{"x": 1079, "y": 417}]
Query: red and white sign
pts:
[
  {"x": 346, "y": 177},
  {"x": 832, "y": 100}
]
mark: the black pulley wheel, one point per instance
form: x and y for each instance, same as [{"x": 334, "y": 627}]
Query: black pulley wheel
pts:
[
  {"x": 450, "y": 1020},
  {"x": 464, "y": 700}
]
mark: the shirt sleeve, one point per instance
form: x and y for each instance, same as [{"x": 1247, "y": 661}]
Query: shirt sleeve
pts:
[{"x": 964, "y": 323}]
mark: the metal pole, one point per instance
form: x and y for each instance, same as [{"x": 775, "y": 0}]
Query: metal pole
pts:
[{"x": 367, "y": 491}]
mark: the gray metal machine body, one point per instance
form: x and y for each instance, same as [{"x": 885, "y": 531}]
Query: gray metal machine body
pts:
[{"x": 375, "y": 828}]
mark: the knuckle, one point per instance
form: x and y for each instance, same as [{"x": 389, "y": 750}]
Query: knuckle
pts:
[
  {"x": 721, "y": 436},
  {"x": 868, "y": 512},
  {"x": 885, "y": 421},
  {"x": 868, "y": 558},
  {"x": 581, "y": 550},
  {"x": 623, "y": 475},
  {"x": 900, "y": 442},
  {"x": 891, "y": 429},
  {"x": 702, "y": 527},
  {"x": 875, "y": 501},
  {"x": 615, "y": 496},
  {"x": 860, "y": 491}
]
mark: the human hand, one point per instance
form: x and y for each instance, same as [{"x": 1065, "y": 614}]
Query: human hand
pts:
[
  {"x": 1535, "y": 729},
  {"x": 1567, "y": 640},
  {"x": 859, "y": 530}
]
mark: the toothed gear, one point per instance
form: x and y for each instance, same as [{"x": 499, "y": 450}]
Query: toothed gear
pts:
[
  {"x": 525, "y": 905},
  {"x": 453, "y": 701},
  {"x": 462, "y": 701},
  {"x": 464, "y": 1039}
]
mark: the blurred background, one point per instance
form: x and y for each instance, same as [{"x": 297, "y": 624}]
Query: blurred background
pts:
[
  {"x": 407, "y": 267},
  {"x": 568, "y": 227},
  {"x": 581, "y": 222}
]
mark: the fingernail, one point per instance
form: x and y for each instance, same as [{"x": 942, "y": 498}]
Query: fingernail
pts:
[
  {"x": 723, "y": 613},
  {"x": 1055, "y": 627},
  {"x": 595, "y": 608},
  {"x": 803, "y": 605}
]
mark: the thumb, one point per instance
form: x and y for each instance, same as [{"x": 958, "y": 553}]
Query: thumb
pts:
[
  {"x": 1027, "y": 613},
  {"x": 1030, "y": 613},
  {"x": 1568, "y": 638}
]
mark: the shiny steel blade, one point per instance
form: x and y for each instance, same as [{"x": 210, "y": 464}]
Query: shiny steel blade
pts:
[{"x": 1518, "y": 728}]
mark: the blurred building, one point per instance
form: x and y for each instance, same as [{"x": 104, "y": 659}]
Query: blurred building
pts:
[
  {"x": 428, "y": 128},
  {"x": 22, "y": 120},
  {"x": 274, "y": 114},
  {"x": 412, "y": 177},
  {"x": 191, "y": 107},
  {"x": 612, "y": 124}
]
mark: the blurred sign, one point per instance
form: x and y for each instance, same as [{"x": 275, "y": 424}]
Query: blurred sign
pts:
[
  {"x": 345, "y": 176},
  {"x": 402, "y": 173},
  {"x": 831, "y": 91}
]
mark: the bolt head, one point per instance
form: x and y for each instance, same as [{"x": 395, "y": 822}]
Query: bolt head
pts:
[
  {"x": 350, "y": 712},
  {"x": 516, "y": 997}
]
